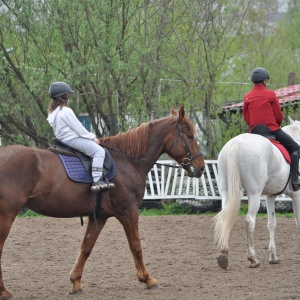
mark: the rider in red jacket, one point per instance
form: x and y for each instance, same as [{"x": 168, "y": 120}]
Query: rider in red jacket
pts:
[{"x": 261, "y": 107}]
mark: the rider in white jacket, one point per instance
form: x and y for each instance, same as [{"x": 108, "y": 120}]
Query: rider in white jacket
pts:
[
  {"x": 66, "y": 126},
  {"x": 68, "y": 129}
]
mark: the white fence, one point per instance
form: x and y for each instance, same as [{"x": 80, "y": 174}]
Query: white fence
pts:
[{"x": 166, "y": 182}]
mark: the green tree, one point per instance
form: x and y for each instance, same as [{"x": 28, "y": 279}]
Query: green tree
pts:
[
  {"x": 202, "y": 39},
  {"x": 107, "y": 52},
  {"x": 130, "y": 61}
]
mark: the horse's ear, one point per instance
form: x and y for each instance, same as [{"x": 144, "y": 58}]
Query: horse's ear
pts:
[
  {"x": 181, "y": 113},
  {"x": 291, "y": 120},
  {"x": 173, "y": 111}
]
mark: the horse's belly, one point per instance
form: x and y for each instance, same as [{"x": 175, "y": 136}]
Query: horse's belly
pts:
[
  {"x": 277, "y": 182},
  {"x": 263, "y": 168}
]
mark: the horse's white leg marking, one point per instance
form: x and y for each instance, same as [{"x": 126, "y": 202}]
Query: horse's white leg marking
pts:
[
  {"x": 253, "y": 206},
  {"x": 272, "y": 224}
]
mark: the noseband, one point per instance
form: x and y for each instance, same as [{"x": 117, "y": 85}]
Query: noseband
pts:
[{"x": 186, "y": 161}]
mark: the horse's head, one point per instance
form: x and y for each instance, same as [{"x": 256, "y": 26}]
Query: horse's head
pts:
[
  {"x": 293, "y": 130},
  {"x": 183, "y": 147}
]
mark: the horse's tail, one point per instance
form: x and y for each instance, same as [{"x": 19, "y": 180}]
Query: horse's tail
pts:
[{"x": 225, "y": 219}]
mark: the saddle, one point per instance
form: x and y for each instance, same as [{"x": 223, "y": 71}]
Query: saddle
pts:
[
  {"x": 70, "y": 158},
  {"x": 264, "y": 131}
]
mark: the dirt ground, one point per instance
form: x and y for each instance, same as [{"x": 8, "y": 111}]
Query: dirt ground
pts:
[{"x": 178, "y": 251}]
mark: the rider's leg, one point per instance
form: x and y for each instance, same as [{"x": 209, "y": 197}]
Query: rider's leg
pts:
[
  {"x": 295, "y": 170},
  {"x": 92, "y": 149},
  {"x": 99, "y": 181},
  {"x": 293, "y": 148}
]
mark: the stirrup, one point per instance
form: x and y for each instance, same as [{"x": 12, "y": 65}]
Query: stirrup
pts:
[{"x": 102, "y": 184}]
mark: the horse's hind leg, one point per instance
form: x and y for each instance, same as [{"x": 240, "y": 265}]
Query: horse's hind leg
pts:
[
  {"x": 91, "y": 235},
  {"x": 253, "y": 206},
  {"x": 130, "y": 223},
  {"x": 5, "y": 226},
  {"x": 272, "y": 223}
]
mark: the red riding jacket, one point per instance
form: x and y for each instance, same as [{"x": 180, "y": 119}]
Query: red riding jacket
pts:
[{"x": 261, "y": 106}]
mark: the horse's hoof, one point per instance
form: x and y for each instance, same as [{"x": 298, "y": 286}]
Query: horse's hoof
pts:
[
  {"x": 6, "y": 296},
  {"x": 77, "y": 292},
  {"x": 155, "y": 287},
  {"x": 273, "y": 259},
  {"x": 223, "y": 261},
  {"x": 273, "y": 262},
  {"x": 152, "y": 283},
  {"x": 254, "y": 264}
]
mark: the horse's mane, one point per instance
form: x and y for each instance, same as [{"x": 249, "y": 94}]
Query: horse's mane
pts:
[{"x": 133, "y": 143}]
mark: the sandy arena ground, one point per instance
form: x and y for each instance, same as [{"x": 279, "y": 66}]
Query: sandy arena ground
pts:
[{"x": 178, "y": 251}]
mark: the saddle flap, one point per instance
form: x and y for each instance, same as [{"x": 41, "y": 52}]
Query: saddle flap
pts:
[{"x": 65, "y": 149}]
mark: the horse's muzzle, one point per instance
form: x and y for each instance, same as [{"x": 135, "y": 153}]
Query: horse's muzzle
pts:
[{"x": 192, "y": 172}]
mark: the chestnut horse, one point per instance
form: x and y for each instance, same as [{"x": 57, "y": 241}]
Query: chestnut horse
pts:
[{"x": 35, "y": 178}]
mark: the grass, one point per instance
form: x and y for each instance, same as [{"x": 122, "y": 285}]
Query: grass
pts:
[
  {"x": 244, "y": 210},
  {"x": 29, "y": 213},
  {"x": 177, "y": 209},
  {"x": 167, "y": 209},
  {"x": 173, "y": 209}
]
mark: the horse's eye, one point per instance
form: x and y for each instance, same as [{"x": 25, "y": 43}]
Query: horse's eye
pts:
[{"x": 190, "y": 136}]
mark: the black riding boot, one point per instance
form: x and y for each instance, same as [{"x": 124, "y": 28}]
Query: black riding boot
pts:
[{"x": 295, "y": 170}]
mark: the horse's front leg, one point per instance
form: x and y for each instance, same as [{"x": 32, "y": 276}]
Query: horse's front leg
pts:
[
  {"x": 91, "y": 235},
  {"x": 272, "y": 224},
  {"x": 5, "y": 226},
  {"x": 129, "y": 220},
  {"x": 253, "y": 206}
]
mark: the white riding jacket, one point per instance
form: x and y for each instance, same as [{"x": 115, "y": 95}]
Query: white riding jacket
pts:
[{"x": 66, "y": 126}]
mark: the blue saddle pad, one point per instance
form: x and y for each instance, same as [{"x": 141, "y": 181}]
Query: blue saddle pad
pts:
[{"x": 77, "y": 172}]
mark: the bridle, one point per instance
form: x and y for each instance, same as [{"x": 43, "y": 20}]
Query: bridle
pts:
[{"x": 186, "y": 161}]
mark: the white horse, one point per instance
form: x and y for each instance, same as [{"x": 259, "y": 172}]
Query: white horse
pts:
[{"x": 251, "y": 162}]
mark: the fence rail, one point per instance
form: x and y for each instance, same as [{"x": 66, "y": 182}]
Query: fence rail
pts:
[{"x": 166, "y": 182}]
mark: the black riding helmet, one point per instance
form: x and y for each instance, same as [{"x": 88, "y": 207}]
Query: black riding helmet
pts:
[
  {"x": 59, "y": 88},
  {"x": 259, "y": 75}
]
